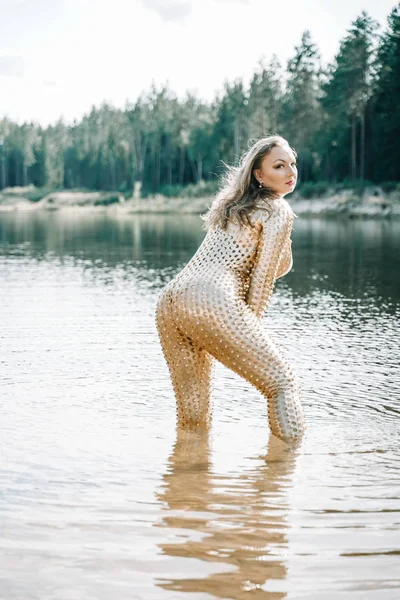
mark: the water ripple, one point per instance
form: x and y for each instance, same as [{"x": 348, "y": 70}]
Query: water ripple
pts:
[{"x": 99, "y": 495}]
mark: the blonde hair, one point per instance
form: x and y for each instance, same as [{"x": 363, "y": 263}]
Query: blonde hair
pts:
[{"x": 240, "y": 193}]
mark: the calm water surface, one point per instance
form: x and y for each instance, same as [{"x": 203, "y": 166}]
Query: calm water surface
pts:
[{"x": 101, "y": 498}]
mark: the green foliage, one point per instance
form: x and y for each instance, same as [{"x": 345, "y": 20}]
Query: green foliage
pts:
[
  {"x": 198, "y": 190},
  {"x": 172, "y": 191},
  {"x": 385, "y": 113},
  {"x": 313, "y": 189},
  {"x": 317, "y": 189},
  {"x": 346, "y": 94},
  {"x": 357, "y": 186},
  {"x": 37, "y": 194},
  {"x": 107, "y": 200},
  {"x": 390, "y": 186},
  {"x": 192, "y": 190}
]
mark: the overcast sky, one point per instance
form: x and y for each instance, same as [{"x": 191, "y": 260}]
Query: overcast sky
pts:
[{"x": 59, "y": 57}]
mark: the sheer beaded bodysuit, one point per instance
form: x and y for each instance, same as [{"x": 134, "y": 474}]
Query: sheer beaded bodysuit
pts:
[{"x": 212, "y": 310}]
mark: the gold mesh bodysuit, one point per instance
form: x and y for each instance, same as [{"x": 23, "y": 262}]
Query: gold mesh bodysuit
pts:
[{"x": 212, "y": 309}]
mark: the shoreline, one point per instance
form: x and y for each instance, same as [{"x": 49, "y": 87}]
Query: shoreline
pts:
[{"x": 373, "y": 203}]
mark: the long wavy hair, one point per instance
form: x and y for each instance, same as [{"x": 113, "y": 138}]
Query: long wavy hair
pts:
[{"x": 240, "y": 192}]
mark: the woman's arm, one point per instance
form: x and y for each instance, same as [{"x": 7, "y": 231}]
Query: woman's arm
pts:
[
  {"x": 272, "y": 245},
  {"x": 286, "y": 262}
]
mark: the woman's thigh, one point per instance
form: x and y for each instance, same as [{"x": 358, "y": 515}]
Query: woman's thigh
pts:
[{"x": 232, "y": 333}]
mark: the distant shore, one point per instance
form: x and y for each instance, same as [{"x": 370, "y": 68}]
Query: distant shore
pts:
[{"x": 372, "y": 203}]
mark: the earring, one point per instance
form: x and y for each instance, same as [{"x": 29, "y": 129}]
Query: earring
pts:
[{"x": 260, "y": 184}]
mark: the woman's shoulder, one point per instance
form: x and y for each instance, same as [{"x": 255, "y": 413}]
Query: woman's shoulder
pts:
[{"x": 272, "y": 209}]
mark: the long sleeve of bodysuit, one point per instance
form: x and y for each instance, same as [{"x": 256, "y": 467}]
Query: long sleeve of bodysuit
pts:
[
  {"x": 286, "y": 262},
  {"x": 273, "y": 255}
]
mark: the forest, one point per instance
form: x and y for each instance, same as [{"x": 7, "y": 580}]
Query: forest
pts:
[{"x": 343, "y": 119}]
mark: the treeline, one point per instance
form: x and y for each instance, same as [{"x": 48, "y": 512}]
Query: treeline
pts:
[{"x": 343, "y": 119}]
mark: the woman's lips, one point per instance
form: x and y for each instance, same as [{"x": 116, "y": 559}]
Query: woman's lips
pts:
[{"x": 291, "y": 182}]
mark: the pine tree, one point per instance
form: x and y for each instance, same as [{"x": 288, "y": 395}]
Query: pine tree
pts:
[
  {"x": 346, "y": 95},
  {"x": 301, "y": 115},
  {"x": 385, "y": 104},
  {"x": 265, "y": 98}
]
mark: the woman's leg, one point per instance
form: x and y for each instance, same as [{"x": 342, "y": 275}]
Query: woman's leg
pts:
[
  {"x": 190, "y": 367},
  {"x": 232, "y": 333}
]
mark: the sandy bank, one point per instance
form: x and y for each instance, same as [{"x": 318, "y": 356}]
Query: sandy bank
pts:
[{"x": 373, "y": 203}]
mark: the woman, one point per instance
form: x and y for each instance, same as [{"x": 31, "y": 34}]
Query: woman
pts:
[{"x": 212, "y": 309}]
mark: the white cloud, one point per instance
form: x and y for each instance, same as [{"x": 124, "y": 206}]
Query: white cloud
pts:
[
  {"x": 173, "y": 10},
  {"x": 13, "y": 66},
  {"x": 69, "y": 54}
]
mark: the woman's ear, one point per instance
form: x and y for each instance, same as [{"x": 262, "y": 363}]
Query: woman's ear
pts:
[{"x": 256, "y": 174}]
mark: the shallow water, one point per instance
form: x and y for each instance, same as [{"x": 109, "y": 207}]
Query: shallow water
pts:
[{"x": 101, "y": 498}]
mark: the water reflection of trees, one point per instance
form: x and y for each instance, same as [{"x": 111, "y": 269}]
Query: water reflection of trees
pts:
[
  {"x": 241, "y": 518},
  {"x": 159, "y": 239},
  {"x": 354, "y": 259},
  {"x": 350, "y": 257}
]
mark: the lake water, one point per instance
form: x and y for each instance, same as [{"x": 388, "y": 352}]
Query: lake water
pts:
[{"x": 101, "y": 498}]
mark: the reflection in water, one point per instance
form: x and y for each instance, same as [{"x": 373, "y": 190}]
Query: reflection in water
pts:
[
  {"x": 239, "y": 520},
  {"x": 354, "y": 259},
  {"x": 351, "y": 257},
  {"x": 88, "y": 412},
  {"x": 103, "y": 239}
]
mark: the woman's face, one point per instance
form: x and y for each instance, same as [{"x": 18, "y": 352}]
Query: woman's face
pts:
[{"x": 278, "y": 170}]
